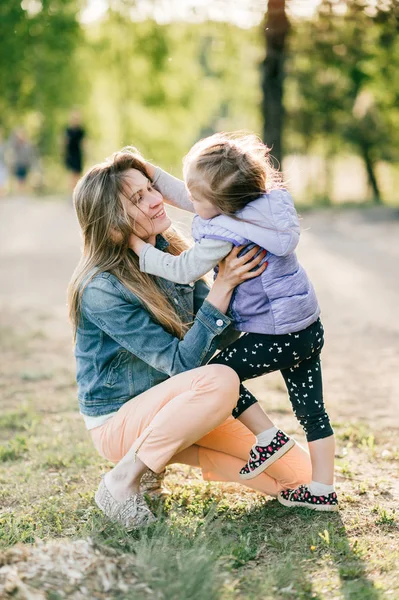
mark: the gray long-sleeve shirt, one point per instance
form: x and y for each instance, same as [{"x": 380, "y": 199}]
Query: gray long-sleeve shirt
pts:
[{"x": 193, "y": 263}]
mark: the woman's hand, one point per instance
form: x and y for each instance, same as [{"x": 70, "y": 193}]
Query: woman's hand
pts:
[{"x": 233, "y": 270}]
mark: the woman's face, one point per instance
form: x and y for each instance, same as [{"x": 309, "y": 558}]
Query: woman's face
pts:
[{"x": 145, "y": 205}]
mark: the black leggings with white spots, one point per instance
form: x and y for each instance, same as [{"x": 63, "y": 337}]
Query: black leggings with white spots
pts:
[{"x": 297, "y": 356}]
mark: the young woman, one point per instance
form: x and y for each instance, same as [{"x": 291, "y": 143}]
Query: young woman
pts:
[{"x": 141, "y": 342}]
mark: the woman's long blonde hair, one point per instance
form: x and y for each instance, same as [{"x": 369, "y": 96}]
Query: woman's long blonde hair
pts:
[{"x": 106, "y": 227}]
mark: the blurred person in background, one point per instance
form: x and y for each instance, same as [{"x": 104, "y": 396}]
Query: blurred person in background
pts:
[
  {"x": 21, "y": 157},
  {"x": 74, "y": 147}
]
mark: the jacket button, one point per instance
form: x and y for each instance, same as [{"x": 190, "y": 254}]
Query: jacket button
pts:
[
  {"x": 219, "y": 323},
  {"x": 175, "y": 300},
  {"x": 191, "y": 284}
]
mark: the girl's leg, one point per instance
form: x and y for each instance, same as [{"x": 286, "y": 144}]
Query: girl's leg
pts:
[
  {"x": 256, "y": 354},
  {"x": 254, "y": 417},
  {"x": 238, "y": 357},
  {"x": 304, "y": 383},
  {"x": 250, "y": 356},
  {"x": 189, "y": 456},
  {"x": 220, "y": 454},
  {"x": 151, "y": 428},
  {"x": 322, "y": 454}
]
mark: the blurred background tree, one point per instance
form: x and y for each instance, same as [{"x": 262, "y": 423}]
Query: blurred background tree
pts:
[
  {"x": 39, "y": 75},
  {"x": 321, "y": 89},
  {"x": 343, "y": 78},
  {"x": 273, "y": 73}
]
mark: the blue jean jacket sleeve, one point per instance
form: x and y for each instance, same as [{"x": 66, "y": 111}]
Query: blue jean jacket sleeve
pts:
[
  {"x": 123, "y": 318},
  {"x": 228, "y": 335}
]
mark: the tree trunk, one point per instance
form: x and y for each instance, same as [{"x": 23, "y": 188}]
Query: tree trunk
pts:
[
  {"x": 272, "y": 71},
  {"x": 329, "y": 177},
  {"x": 372, "y": 177}
]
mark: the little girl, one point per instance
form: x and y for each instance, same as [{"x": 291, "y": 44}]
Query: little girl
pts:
[{"x": 240, "y": 201}]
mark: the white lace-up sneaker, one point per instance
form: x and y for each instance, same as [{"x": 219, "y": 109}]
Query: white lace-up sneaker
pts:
[
  {"x": 132, "y": 513},
  {"x": 151, "y": 484}
]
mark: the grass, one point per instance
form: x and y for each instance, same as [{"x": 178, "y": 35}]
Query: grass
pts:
[{"x": 212, "y": 541}]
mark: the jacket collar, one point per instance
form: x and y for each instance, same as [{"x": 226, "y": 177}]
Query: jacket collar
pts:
[{"x": 161, "y": 243}]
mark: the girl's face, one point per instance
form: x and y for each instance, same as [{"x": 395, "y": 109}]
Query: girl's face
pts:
[
  {"x": 145, "y": 206},
  {"x": 203, "y": 207}
]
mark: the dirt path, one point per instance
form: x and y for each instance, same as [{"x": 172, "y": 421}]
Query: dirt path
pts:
[{"x": 352, "y": 257}]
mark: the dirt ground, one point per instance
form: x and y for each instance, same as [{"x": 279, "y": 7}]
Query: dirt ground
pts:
[
  {"x": 49, "y": 469},
  {"x": 351, "y": 255}
]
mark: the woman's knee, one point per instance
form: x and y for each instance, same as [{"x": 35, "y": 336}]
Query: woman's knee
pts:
[
  {"x": 225, "y": 382},
  {"x": 226, "y": 376}
]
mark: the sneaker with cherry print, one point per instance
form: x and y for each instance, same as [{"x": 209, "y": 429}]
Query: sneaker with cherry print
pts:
[
  {"x": 262, "y": 457},
  {"x": 302, "y": 496}
]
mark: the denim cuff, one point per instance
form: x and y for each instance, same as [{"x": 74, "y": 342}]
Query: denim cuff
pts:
[{"x": 212, "y": 318}]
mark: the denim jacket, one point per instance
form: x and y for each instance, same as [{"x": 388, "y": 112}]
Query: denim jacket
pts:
[{"x": 121, "y": 351}]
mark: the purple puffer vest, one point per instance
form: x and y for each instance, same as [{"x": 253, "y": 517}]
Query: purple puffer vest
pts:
[{"x": 282, "y": 299}]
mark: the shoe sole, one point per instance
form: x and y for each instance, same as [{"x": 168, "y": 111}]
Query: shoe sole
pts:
[
  {"x": 320, "y": 507},
  {"x": 268, "y": 463},
  {"x": 96, "y": 498}
]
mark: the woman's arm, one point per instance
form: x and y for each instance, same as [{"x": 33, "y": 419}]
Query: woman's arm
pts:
[
  {"x": 229, "y": 335},
  {"x": 130, "y": 324},
  {"x": 117, "y": 312},
  {"x": 172, "y": 189}
]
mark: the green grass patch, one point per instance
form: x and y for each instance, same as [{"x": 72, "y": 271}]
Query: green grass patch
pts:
[
  {"x": 18, "y": 420},
  {"x": 211, "y": 541},
  {"x": 14, "y": 449}
]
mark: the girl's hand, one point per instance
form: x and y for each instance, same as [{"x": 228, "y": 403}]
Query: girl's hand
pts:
[
  {"x": 235, "y": 269},
  {"x": 136, "y": 244},
  {"x": 150, "y": 170}
]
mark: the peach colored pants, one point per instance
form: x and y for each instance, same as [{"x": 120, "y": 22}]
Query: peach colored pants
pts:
[{"x": 194, "y": 408}]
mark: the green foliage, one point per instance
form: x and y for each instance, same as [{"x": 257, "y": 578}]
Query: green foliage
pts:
[
  {"x": 341, "y": 88},
  {"x": 168, "y": 84},
  {"x": 38, "y": 72},
  {"x": 162, "y": 86}
]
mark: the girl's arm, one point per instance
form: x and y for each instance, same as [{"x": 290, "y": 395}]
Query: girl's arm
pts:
[
  {"x": 271, "y": 221},
  {"x": 172, "y": 189},
  {"x": 188, "y": 266}
]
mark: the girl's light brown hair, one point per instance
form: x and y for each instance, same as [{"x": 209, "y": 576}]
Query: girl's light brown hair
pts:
[
  {"x": 230, "y": 170},
  {"x": 106, "y": 227}
]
